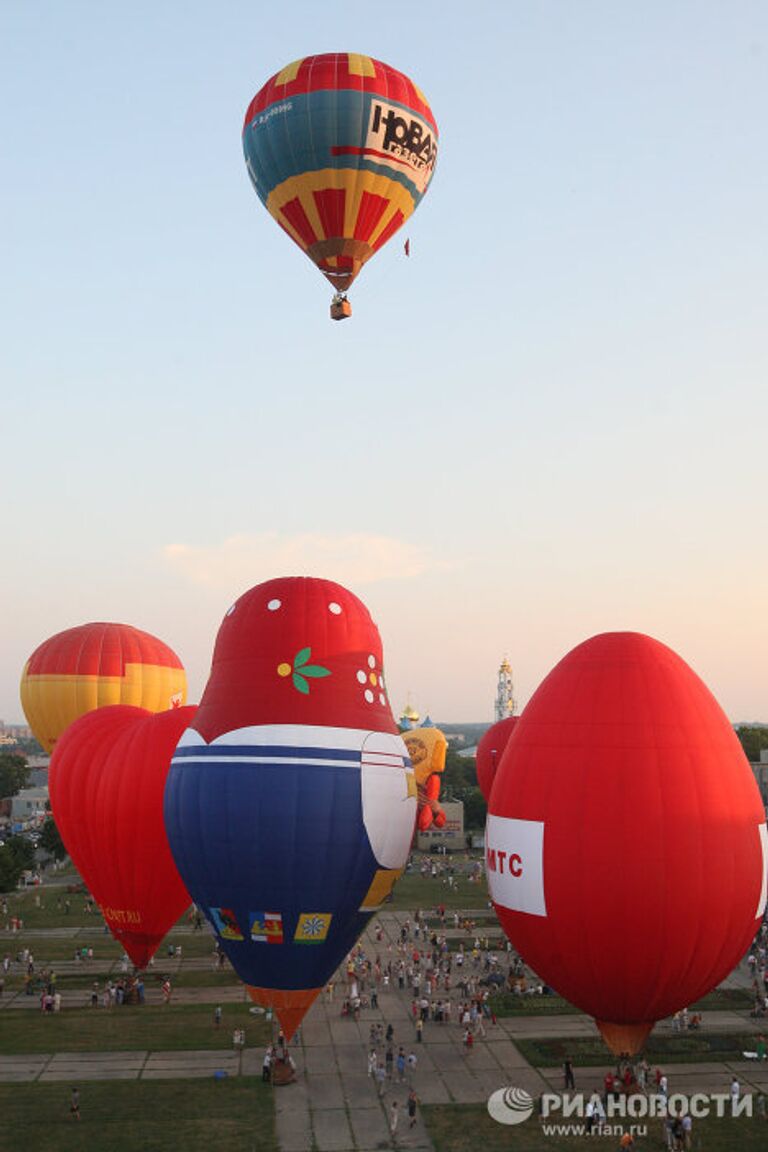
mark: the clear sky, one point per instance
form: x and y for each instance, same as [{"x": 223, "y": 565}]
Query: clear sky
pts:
[{"x": 549, "y": 422}]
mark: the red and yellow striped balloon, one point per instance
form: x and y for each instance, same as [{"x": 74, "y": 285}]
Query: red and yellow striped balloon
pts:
[{"x": 95, "y": 665}]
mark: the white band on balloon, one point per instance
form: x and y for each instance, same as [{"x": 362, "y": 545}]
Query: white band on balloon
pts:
[
  {"x": 763, "y": 830},
  {"x": 514, "y": 863}
]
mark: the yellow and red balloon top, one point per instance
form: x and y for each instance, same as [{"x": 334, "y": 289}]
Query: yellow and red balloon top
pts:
[
  {"x": 95, "y": 665},
  {"x": 340, "y": 149}
]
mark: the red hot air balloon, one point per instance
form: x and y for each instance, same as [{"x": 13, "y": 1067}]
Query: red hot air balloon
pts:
[
  {"x": 490, "y": 751},
  {"x": 106, "y": 781},
  {"x": 626, "y": 840},
  {"x": 93, "y": 666}
]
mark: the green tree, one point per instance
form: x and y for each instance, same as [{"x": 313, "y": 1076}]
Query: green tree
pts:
[
  {"x": 50, "y": 840},
  {"x": 459, "y": 774},
  {"x": 14, "y": 773},
  {"x": 459, "y": 782},
  {"x": 753, "y": 740},
  {"x": 475, "y": 808},
  {"x": 16, "y": 856}
]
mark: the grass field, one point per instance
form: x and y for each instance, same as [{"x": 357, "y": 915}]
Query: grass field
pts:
[
  {"x": 507, "y": 1004},
  {"x": 691, "y": 1048},
  {"x": 140, "y": 1028},
  {"x": 232, "y": 1115},
  {"x": 415, "y": 891},
  {"x": 458, "y": 1127}
]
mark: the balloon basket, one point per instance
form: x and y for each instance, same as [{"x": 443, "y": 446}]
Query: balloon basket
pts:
[
  {"x": 282, "y": 1074},
  {"x": 340, "y": 308}
]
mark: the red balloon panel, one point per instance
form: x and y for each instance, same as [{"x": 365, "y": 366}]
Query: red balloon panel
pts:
[{"x": 106, "y": 780}]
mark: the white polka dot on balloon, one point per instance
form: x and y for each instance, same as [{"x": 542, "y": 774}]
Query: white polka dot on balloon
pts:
[
  {"x": 362, "y": 678},
  {"x": 335, "y": 609},
  {"x": 371, "y": 661},
  {"x": 369, "y": 695},
  {"x": 274, "y": 605}
]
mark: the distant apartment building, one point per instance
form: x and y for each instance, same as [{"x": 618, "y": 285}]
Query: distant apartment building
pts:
[
  {"x": 29, "y": 805},
  {"x": 451, "y": 835},
  {"x": 11, "y": 733}
]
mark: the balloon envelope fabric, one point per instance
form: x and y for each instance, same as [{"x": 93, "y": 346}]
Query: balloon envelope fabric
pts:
[
  {"x": 290, "y": 804},
  {"x": 95, "y": 665},
  {"x": 340, "y": 149},
  {"x": 626, "y": 839},
  {"x": 106, "y": 779},
  {"x": 490, "y": 750}
]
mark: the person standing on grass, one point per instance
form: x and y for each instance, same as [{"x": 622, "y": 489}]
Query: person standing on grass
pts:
[
  {"x": 412, "y": 1102},
  {"x": 74, "y": 1104}
]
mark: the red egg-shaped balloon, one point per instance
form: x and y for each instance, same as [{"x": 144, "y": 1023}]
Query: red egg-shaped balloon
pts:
[
  {"x": 106, "y": 782},
  {"x": 626, "y": 840},
  {"x": 490, "y": 751}
]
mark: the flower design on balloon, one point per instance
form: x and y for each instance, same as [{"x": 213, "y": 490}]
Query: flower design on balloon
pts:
[
  {"x": 372, "y": 681},
  {"x": 302, "y": 671}
]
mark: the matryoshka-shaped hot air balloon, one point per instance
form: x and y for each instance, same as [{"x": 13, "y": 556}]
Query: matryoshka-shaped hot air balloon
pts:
[
  {"x": 93, "y": 666},
  {"x": 107, "y": 779},
  {"x": 626, "y": 840},
  {"x": 340, "y": 149},
  {"x": 290, "y": 803}
]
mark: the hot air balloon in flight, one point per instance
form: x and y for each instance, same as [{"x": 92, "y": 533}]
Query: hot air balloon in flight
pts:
[
  {"x": 490, "y": 750},
  {"x": 290, "y": 803},
  {"x": 626, "y": 841},
  {"x": 95, "y": 665},
  {"x": 106, "y": 781},
  {"x": 340, "y": 149}
]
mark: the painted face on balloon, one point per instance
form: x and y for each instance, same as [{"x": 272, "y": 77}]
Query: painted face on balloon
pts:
[{"x": 296, "y": 650}]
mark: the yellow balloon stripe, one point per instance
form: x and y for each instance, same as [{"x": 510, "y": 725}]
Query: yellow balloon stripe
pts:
[
  {"x": 360, "y": 65},
  {"x": 354, "y": 182},
  {"x": 52, "y": 702},
  {"x": 290, "y": 72}
]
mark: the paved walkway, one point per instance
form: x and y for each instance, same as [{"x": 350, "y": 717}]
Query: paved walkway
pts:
[{"x": 334, "y": 1105}]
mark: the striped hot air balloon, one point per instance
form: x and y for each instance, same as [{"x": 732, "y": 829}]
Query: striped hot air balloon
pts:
[
  {"x": 340, "y": 149},
  {"x": 94, "y": 665}
]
